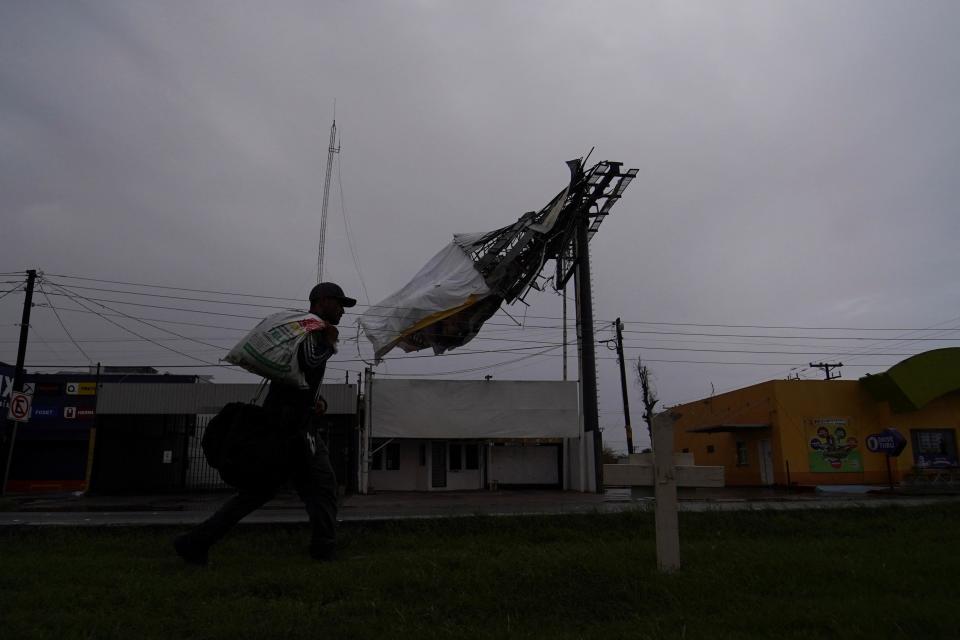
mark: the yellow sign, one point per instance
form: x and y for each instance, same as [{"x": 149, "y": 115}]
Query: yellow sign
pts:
[{"x": 81, "y": 388}]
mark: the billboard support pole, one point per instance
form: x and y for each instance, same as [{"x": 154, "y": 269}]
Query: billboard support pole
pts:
[{"x": 588, "y": 363}]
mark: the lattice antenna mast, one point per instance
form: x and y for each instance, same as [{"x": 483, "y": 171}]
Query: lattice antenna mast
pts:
[{"x": 331, "y": 149}]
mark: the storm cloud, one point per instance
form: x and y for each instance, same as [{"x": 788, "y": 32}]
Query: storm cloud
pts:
[{"x": 798, "y": 168}]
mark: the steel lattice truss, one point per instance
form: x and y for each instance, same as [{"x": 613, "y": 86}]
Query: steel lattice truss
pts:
[
  {"x": 512, "y": 258},
  {"x": 445, "y": 305}
]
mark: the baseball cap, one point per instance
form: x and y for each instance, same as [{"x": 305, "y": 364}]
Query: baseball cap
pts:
[{"x": 331, "y": 290}]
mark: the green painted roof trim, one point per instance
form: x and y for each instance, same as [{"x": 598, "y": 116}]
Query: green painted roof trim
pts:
[{"x": 913, "y": 383}]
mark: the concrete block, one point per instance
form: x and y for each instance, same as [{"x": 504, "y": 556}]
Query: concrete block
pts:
[
  {"x": 679, "y": 459},
  {"x": 641, "y": 475}
]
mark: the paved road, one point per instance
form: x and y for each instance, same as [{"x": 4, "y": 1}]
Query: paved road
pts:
[{"x": 187, "y": 510}]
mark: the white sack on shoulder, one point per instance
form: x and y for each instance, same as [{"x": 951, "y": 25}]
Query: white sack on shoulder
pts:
[{"x": 270, "y": 349}]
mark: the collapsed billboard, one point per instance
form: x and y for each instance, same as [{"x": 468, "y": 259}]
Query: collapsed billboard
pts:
[{"x": 446, "y": 303}]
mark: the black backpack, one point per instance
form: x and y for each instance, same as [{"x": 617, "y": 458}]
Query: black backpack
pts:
[{"x": 244, "y": 445}]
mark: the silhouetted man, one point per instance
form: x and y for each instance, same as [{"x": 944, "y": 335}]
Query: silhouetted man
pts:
[{"x": 290, "y": 410}]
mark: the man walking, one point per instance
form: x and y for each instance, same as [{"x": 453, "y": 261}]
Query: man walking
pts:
[{"x": 289, "y": 410}]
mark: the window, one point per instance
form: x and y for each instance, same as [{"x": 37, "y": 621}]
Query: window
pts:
[
  {"x": 742, "y": 459},
  {"x": 456, "y": 463},
  {"x": 385, "y": 458},
  {"x": 392, "y": 456},
  {"x": 934, "y": 447},
  {"x": 423, "y": 455},
  {"x": 472, "y": 455}
]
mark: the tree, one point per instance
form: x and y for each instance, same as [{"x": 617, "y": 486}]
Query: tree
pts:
[
  {"x": 609, "y": 455},
  {"x": 645, "y": 378}
]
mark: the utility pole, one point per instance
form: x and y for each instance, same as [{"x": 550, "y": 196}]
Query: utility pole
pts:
[
  {"x": 623, "y": 386},
  {"x": 827, "y": 368},
  {"x": 18, "y": 374},
  {"x": 588, "y": 362},
  {"x": 331, "y": 149}
]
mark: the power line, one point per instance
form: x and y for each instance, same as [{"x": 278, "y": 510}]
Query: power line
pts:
[
  {"x": 633, "y": 347},
  {"x": 190, "y": 324},
  {"x": 9, "y": 291},
  {"x": 112, "y": 340},
  {"x": 169, "y": 297},
  {"x": 799, "y": 368},
  {"x": 532, "y": 355},
  {"x": 905, "y": 341},
  {"x": 790, "y": 353},
  {"x": 758, "y": 364},
  {"x": 746, "y": 335},
  {"x": 643, "y": 332},
  {"x": 244, "y": 304},
  {"x": 245, "y": 330},
  {"x": 236, "y": 315},
  {"x": 539, "y": 317},
  {"x": 149, "y": 324},
  {"x": 160, "y": 286},
  {"x": 628, "y": 322},
  {"x": 764, "y": 326},
  {"x": 62, "y": 325},
  {"x": 166, "y": 366},
  {"x": 537, "y": 342},
  {"x": 346, "y": 226},
  {"x": 540, "y": 344},
  {"x": 131, "y": 331},
  {"x": 473, "y": 369},
  {"x": 756, "y": 343},
  {"x": 450, "y": 354},
  {"x": 195, "y": 338},
  {"x": 155, "y": 306},
  {"x": 536, "y": 330},
  {"x": 43, "y": 341}
]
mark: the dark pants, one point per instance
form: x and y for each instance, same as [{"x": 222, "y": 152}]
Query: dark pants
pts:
[{"x": 311, "y": 472}]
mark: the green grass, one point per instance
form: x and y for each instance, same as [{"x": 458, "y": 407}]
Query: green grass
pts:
[{"x": 877, "y": 573}]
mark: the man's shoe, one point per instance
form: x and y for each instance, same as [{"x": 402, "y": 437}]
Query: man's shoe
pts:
[{"x": 191, "y": 552}]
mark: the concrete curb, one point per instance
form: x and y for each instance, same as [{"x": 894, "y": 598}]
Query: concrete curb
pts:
[{"x": 285, "y": 515}]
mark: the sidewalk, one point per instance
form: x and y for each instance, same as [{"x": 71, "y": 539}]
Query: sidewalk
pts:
[{"x": 187, "y": 509}]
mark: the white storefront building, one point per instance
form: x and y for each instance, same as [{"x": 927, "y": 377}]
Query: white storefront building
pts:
[{"x": 443, "y": 435}]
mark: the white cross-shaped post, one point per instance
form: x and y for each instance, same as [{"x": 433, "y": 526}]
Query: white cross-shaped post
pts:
[
  {"x": 665, "y": 473},
  {"x": 666, "y": 520}
]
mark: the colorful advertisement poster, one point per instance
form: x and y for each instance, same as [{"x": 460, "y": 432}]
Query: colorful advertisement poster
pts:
[{"x": 833, "y": 446}]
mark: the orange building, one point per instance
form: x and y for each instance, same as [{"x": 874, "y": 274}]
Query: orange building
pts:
[{"x": 819, "y": 432}]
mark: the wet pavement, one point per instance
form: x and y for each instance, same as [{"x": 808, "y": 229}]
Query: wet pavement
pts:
[{"x": 86, "y": 510}]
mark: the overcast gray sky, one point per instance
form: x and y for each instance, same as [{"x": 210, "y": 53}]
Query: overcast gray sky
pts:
[{"x": 798, "y": 168}]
